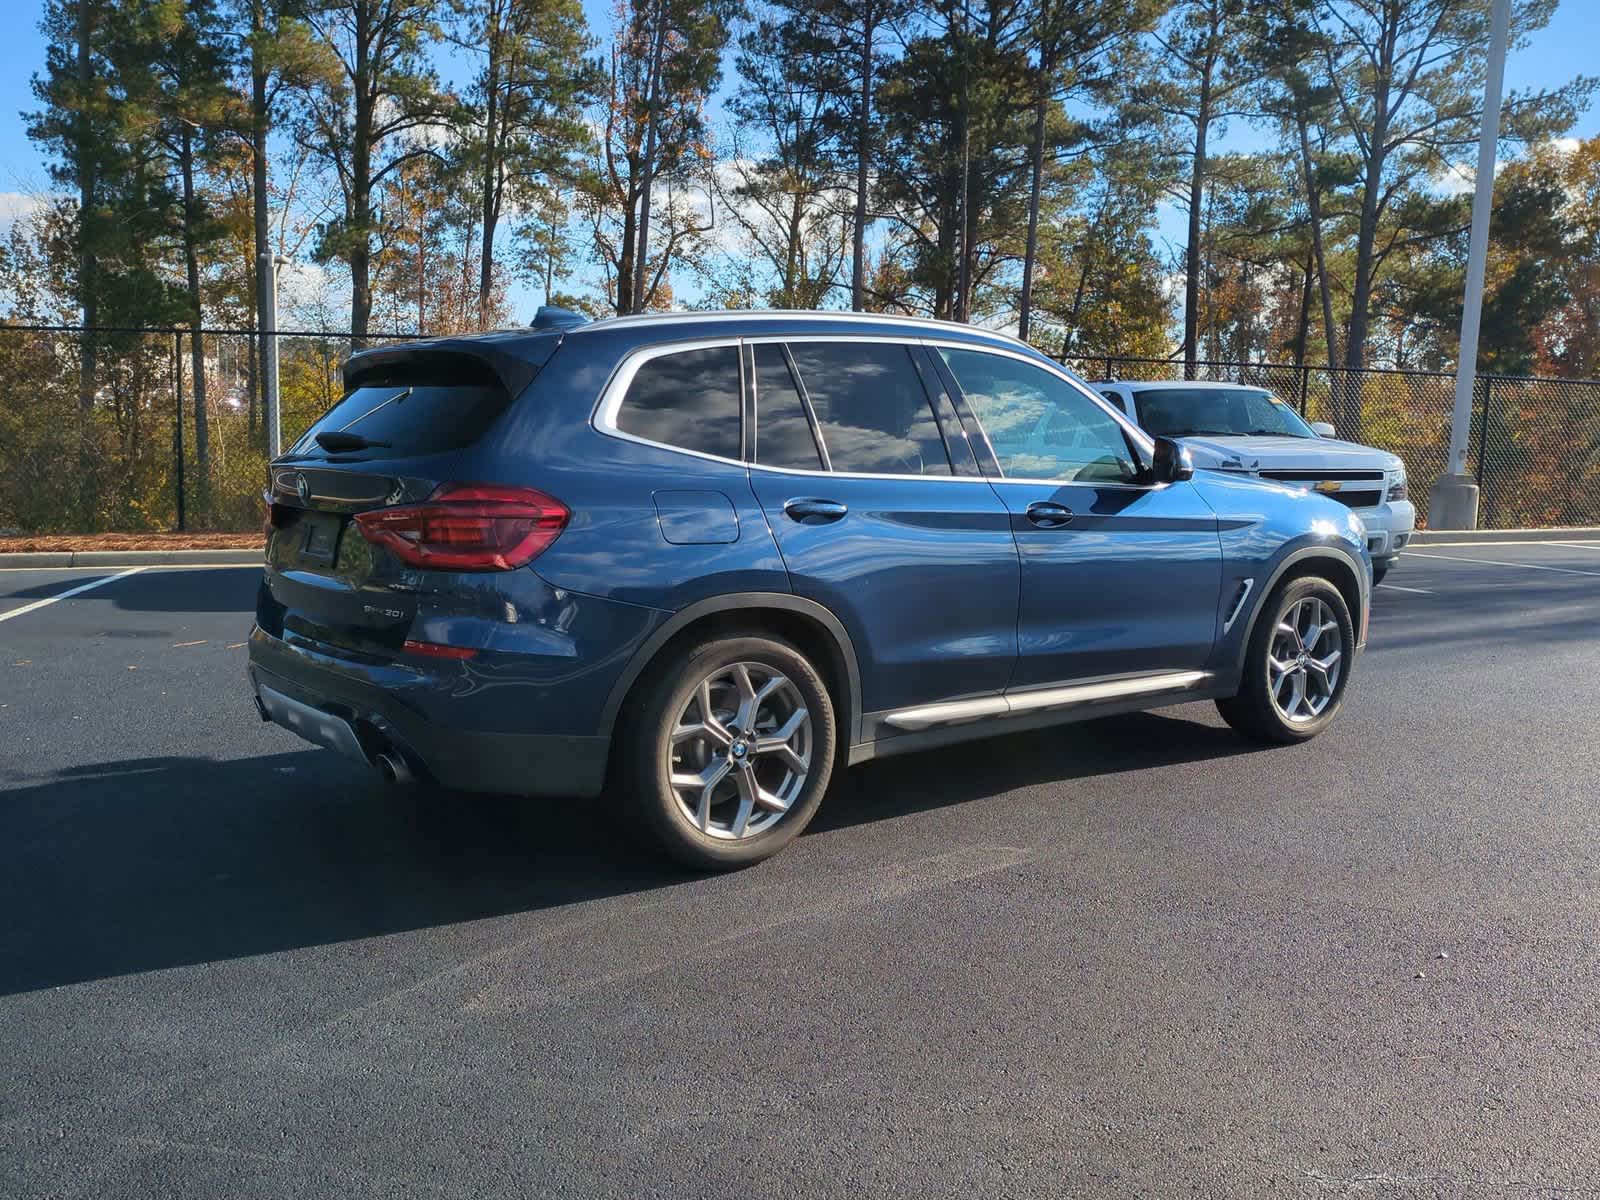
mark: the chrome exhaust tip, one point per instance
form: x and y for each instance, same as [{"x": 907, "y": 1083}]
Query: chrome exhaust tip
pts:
[{"x": 394, "y": 769}]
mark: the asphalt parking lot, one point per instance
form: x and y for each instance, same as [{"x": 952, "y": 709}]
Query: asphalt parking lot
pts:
[{"x": 1133, "y": 957}]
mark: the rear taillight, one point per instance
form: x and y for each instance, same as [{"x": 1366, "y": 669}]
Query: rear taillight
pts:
[{"x": 468, "y": 527}]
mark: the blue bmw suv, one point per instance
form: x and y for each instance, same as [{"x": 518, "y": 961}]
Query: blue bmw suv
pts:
[{"x": 698, "y": 562}]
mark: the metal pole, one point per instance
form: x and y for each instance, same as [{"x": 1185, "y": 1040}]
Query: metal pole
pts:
[
  {"x": 1305, "y": 389},
  {"x": 177, "y": 429},
  {"x": 1455, "y": 499},
  {"x": 269, "y": 356}
]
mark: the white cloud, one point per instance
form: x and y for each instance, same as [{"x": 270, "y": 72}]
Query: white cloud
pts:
[
  {"x": 16, "y": 206},
  {"x": 1459, "y": 179}
]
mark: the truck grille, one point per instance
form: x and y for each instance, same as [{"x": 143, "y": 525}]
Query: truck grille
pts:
[{"x": 1357, "y": 489}]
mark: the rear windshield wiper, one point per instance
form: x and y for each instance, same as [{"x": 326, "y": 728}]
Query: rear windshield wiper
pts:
[{"x": 337, "y": 441}]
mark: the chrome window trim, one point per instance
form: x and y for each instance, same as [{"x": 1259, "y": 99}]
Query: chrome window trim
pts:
[
  {"x": 1049, "y": 367},
  {"x": 868, "y": 475},
  {"x": 604, "y": 416}
]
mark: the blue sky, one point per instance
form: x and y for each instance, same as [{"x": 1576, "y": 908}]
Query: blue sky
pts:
[{"x": 1561, "y": 50}]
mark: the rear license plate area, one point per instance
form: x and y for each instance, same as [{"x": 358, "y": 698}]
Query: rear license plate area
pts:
[{"x": 320, "y": 539}]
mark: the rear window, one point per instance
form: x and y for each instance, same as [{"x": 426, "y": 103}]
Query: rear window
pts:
[
  {"x": 410, "y": 419},
  {"x": 689, "y": 400}
]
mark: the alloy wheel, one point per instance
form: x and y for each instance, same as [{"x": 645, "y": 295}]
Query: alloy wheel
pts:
[
  {"x": 740, "y": 751},
  {"x": 1305, "y": 660}
]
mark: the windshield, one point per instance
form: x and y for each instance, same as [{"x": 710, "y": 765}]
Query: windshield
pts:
[{"x": 1218, "y": 412}]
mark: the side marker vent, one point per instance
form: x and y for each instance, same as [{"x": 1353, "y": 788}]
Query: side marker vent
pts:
[{"x": 1237, "y": 606}]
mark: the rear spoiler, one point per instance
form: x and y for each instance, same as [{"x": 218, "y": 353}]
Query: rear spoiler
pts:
[{"x": 513, "y": 358}]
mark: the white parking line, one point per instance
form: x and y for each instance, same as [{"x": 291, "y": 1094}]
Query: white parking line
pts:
[
  {"x": 1395, "y": 587},
  {"x": 1497, "y": 562},
  {"x": 69, "y": 593},
  {"x": 1518, "y": 542},
  {"x": 5, "y": 570}
]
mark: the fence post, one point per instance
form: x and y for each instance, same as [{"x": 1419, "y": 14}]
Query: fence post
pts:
[
  {"x": 1305, "y": 389},
  {"x": 1485, "y": 499},
  {"x": 1107, "y": 375},
  {"x": 177, "y": 428}
]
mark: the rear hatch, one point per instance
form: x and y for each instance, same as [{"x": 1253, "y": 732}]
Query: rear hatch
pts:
[{"x": 402, "y": 430}]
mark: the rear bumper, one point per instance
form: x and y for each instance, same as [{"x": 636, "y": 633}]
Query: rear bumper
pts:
[{"x": 360, "y": 709}]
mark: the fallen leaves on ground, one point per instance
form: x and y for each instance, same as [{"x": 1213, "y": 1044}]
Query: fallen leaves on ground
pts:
[{"x": 36, "y": 543}]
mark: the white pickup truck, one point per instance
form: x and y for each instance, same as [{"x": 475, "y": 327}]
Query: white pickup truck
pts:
[{"x": 1231, "y": 426}]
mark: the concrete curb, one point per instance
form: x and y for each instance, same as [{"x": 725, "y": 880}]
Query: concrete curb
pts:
[
  {"x": 132, "y": 558},
  {"x": 1577, "y": 533}
]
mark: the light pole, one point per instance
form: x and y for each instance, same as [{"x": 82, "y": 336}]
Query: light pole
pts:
[
  {"x": 1453, "y": 499},
  {"x": 269, "y": 265}
]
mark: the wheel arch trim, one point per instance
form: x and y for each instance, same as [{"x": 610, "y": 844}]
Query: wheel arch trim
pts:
[
  {"x": 733, "y": 602},
  {"x": 1324, "y": 551}
]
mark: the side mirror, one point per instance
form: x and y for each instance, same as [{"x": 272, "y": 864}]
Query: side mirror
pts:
[
  {"x": 1171, "y": 462},
  {"x": 1323, "y": 429}
]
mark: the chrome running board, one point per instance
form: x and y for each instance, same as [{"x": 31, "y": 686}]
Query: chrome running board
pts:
[{"x": 958, "y": 712}]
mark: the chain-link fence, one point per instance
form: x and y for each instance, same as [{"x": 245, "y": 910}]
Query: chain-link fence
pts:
[
  {"x": 103, "y": 429},
  {"x": 1534, "y": 447},
  {"x": 148, "y": 430}
]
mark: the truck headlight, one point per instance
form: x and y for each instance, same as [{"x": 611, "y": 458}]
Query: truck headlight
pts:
[{"x": 1397, "y": 485}]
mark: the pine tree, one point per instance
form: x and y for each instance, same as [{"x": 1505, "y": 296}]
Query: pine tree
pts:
[
  {"x": 1076, "y": 56},
  {"x": 523, "y": 129},
  {"x": 181, "y": 79},
  {"x": 665, "y": 61},
  {"x": 786, "y": 200},
  {"x": 1201, "y": 77},
  {"x": 369, "y": 121},
  {"x": 957, "y": 116},
  {"x": 1406, "y": 80}
]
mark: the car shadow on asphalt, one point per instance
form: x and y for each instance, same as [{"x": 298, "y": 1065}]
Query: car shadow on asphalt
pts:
[
  {"x": 139, "y": 865},
  {"x": 893, "y": 787},
  {"x": 166, "y": 589},
  {"x": 158, "y": 862}
]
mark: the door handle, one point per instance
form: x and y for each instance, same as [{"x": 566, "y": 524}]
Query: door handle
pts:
[
  {"x": 1048, "y": 515},
  {"x": 810, "y": 511}
]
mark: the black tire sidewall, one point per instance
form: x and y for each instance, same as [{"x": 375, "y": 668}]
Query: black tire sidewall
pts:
[{"x": 666, "y": 697}]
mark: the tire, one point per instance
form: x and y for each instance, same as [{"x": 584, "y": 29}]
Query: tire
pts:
[
  {"x": 1303, "y": 709},
  {"x": 737, "y": 823},
  {"x": 1379, "y": 570}
]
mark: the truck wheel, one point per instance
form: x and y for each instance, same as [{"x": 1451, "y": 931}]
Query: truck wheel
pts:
[
  {"x": 1297, "y": 665},
  {"x": 732, "y": 747}
]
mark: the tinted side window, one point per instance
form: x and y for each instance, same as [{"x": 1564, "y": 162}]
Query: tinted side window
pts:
[
  {"x": 783, "y": 433},
  {"x": 872, "y": 408},
  {"x": 1041, "y": 427},
  {"x": 689, "y": 399}
]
